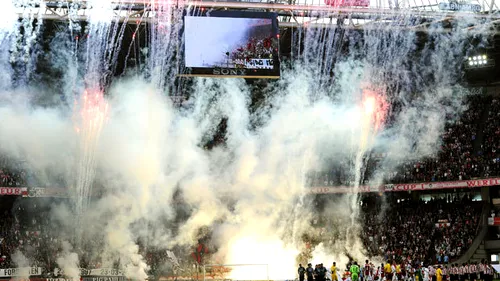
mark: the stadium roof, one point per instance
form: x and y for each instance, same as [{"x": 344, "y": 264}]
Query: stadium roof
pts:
[{"x": 420, "y": 15}]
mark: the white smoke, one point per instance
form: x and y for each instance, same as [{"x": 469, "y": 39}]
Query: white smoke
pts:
[
  {"x": 148, "y": 149},
  {"x": 23, "y": 263},
  {"x": 46, "y": 145},
  {"x": 68, "y": 261}
]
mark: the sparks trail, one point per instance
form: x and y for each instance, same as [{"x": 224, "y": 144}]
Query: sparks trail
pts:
[
  {"x": 373, "y": 110},
  {"x": 93, "y": 112}
]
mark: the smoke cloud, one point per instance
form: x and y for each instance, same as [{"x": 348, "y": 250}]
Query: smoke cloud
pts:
[
  {"x": 68, "y": 261},
  {"x": 23, "y": 263}
]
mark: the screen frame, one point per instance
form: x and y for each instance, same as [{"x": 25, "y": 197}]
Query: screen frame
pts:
[{"x": 230, "y": 72}]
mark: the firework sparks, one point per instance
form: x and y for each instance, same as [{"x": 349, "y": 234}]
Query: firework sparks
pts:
[
  {"x": 94, "y": 110},
  {"x": 375, "y": 109},
  {"x": 93, "y": 113}
]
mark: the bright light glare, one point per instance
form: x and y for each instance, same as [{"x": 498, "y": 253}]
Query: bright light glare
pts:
[
  {"x": 263, "y": 250},
  {"x": 369, "y": 105},
  {"x": 8, "y": 16},
  {"x": 102, "y": 11}
]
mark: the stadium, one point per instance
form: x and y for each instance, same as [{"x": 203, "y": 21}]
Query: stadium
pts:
[{"x": 249, "y": 140}]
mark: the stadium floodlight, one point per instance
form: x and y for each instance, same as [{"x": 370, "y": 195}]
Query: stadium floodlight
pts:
[{"x": 479, "y": 61}]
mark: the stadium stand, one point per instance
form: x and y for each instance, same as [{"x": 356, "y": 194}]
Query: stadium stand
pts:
[
  {"x": 470, "y": 149},
  {"x": 11, "y": 173},
  {"x": 457, "y": 159},
  {"x": 407, "y": 232},
  {"x": 491, "y": 146},
  {"x": 415, "y": 231}
]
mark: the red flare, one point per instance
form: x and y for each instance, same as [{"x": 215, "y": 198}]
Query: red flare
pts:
[{"x": 375, "y": 107}]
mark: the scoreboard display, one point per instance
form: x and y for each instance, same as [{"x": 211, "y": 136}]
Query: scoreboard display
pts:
[{"x": 230, "y": 44}]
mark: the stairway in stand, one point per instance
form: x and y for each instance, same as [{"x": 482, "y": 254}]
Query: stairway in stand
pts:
[{"x": 479, "y": 254}]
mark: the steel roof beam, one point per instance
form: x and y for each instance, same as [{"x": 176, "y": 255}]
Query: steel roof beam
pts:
[
  {"x": 312, "y": 15},
  {"x": 305, "y": 8}
]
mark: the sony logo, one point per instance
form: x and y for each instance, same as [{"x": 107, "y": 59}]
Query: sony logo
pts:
[{"x": 227, "y": 71}]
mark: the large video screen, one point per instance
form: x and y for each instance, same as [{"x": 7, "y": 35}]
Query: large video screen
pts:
[{"x": 231, "y": 44}]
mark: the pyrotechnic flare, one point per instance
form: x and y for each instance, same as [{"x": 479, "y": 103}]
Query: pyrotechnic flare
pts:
[
  {"x": 374, "y": 114},
  {"x": 372, "y": 111},
  {"x": 93, "y": 112}
]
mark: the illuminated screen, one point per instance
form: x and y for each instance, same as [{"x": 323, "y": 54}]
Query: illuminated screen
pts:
[{"x": 229, "y": 44}]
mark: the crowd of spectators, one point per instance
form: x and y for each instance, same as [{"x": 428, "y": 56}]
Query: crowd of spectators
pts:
[
  {"x": 12, "y": 173},
  {"x": 456, "y": 160},
  {"x": 27, "y": 232},
  {"x": 415, "y": 231},
  {"x": 470, "y": 148},
  {"x": 490, "y": 149},
  {"x": 403, "y": 230}
]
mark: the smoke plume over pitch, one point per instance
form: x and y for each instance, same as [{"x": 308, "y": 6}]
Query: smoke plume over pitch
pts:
[{"x": 156, "y": 185}]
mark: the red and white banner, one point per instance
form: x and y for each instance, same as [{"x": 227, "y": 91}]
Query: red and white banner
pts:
[
  {"x": 494, "y": 220},
  {"x": 408, "y": 186},
  {"x": 13, "y": 191},
  {"x": 344, "y": 189},
  {"x": 62, "y": 192},
  {"x": 442, "y": 225},
  {"x": 443, "y": 185}
]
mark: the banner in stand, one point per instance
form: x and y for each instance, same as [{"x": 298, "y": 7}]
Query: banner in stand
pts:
[
  {"x": 408, "y": 186},
  {"x": 21, "y": 271},
  {"x": 15, "y": 191}
]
